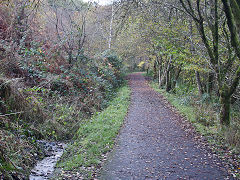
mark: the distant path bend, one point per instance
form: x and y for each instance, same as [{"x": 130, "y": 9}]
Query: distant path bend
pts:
[{"x": 152, "y": 144}]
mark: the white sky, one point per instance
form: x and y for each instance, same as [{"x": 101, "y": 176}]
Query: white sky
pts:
[{"x": 101, "y": 2}]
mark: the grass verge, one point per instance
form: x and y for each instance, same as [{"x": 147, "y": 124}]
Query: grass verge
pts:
[
  {"x": 185, "y": 109},
  {"x": 94, "y": 139},
  {"x": 204, "y": 120}
]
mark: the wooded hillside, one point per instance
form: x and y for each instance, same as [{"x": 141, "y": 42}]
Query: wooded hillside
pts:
[{"x": 61, "y": 61}]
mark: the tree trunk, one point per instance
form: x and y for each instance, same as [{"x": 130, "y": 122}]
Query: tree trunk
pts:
[
  {"x": 176, "y": 78},
  {"x": 235, "y": 39},
  {"x": 160, "y": 72},
  {"x": 236, "y": 12},
  {"x": 163, "y": 80},
  {"x": 164, "y": 71},
  {"x": 210, "y": 83},
  {"x": 111, "y": 28},
  {"x": 168, "y": 77},
  {"x": 159, "y": 77},
  {"x": 225, "y": 101},
  {"x": 168, "y": 81},
  {"x": 155, "y": 70},
  {"x": 199, "y": 83}
]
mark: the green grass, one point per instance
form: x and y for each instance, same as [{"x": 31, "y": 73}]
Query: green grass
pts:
[
  {"x": 205, "y": 120},
  {"x": 187, "y": 110},
  {"x": 96, "y": 136},
  {"x": 183, "y": 108}
]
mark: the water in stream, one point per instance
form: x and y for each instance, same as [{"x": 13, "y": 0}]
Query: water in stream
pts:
[{"x": 45, "y": 167}]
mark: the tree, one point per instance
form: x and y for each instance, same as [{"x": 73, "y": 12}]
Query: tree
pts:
[
  {"x": 219, "y": 64},
  {"x": 232, "y": 15},
  {"x": 70, "y": 24}
]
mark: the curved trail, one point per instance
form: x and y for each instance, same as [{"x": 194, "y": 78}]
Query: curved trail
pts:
[{"x": 152, "y": 144}]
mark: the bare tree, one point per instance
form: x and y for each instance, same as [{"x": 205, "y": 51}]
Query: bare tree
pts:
[{"x": 70, "y": 26}]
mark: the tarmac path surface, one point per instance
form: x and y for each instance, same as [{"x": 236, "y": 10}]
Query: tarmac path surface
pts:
[{"x": 153, "y": 145}]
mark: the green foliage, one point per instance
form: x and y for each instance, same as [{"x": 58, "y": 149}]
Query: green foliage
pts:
[
  {"x": 96, "y": 136},
  {"x": 60, "y": 86},
  {"x": 18, "y": 154},
  {"x": 206, "y": 116},
  {"x": 54, "y": 98}
]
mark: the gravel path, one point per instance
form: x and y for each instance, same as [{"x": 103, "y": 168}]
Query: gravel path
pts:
[{"x": 152, "y": 144}]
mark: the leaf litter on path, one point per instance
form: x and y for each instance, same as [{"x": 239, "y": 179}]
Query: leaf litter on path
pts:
[{"x": 157, "y": 143}]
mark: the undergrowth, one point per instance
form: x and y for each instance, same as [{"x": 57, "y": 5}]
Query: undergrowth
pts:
[
  {"x": 38, "y": 104},
  {"x": 95, "y": 138}
]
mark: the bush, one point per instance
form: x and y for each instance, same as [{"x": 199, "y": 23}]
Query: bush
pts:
[{"x": 51, "y": 98}]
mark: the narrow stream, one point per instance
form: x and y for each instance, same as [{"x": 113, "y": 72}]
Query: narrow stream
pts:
[{"x": 45, "y": 167}]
